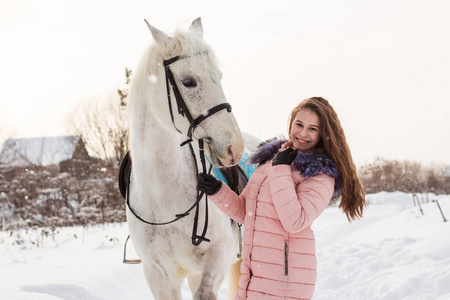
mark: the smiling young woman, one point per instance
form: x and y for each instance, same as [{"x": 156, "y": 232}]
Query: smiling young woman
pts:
[
  {"x": 332, "y": 143},
  {"x": 291, "y": 187}
]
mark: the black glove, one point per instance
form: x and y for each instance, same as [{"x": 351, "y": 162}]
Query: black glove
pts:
[
  {"x": 208, "y": 184},
  {"x": 285, "y": 157}
]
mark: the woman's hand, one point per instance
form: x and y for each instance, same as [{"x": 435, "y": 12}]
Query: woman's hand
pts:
[
  {"x": 208, "y": 184},
  {"x": 285, "y": 157}
]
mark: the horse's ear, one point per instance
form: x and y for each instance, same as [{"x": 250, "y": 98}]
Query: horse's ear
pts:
[
  {"x": 197, "y": 26},
  {"x": 159, "y": 36}
]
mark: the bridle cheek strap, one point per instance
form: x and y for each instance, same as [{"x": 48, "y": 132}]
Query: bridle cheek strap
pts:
[{"x": 182, "y": 108}]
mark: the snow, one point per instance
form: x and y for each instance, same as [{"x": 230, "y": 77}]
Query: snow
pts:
[{"x": 394, "y": 253}]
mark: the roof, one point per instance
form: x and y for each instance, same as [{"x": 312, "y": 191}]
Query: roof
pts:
[{"x": 43, "y": 151}]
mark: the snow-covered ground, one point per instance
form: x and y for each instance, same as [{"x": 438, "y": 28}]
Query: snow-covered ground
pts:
[{"x": 394, "y": 253}]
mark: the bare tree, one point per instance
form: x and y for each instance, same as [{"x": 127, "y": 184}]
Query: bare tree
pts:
[
  {"x": 413, "y": 177},
  {"x": 436, "y": 181},
  {"x": 406, "y": 176},
  {"x": 102, "y": 124}
]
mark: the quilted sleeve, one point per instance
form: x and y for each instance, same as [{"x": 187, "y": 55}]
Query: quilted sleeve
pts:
[
  {"x": 230, "y": 203},
  {"x": 298, "y": 207}
]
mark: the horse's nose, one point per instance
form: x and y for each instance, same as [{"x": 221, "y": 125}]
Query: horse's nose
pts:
[{"x": 233, "y": 154}]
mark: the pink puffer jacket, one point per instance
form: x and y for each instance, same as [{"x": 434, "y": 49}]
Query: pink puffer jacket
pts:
[{"x": 277, "y": 208}]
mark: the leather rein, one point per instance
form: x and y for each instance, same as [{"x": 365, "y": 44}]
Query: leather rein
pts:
[{"x": 184, "y": 111}]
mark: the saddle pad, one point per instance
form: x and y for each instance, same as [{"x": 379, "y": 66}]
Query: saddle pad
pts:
[{"x": 236, "y": 177}]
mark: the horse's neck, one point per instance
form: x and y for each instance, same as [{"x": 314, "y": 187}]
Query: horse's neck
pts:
[
  {"x": 159, "y": 146},
  {"x": 158, "y": 159}
]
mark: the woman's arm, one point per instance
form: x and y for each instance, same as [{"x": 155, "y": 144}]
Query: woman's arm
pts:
[
  {"x": 298, "y": 207},
  {"x": 230, "y": 203}
]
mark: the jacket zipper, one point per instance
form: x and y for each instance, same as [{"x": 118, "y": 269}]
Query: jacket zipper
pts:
[{"x": 286, "y": 254}]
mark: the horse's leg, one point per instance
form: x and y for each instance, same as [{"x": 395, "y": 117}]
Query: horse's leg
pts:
[
  {"x": 194, "y": 282},
  {"x": 233, "y": 279},
  {"x": 215, "y": 262},
  {"x": 164, "y": 284}
]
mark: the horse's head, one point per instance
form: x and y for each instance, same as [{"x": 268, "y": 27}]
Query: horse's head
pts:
[{"x": 195, "y": 79}]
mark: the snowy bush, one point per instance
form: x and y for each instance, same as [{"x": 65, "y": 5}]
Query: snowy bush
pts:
[{"x": 45, "y": 197}]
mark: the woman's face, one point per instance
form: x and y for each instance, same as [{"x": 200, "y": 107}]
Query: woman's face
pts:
[{"x": 305, "y": 133}]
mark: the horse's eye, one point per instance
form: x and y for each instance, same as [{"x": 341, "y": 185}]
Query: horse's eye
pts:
[{"x": 189, "y": 82}]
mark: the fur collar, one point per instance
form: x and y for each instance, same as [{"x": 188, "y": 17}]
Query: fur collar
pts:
[{"x": 309, "y": 164}]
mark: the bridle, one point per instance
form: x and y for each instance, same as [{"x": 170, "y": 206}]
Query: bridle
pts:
[
  {"x": 193, "y": 123},
  {"x": 181, "y": 104}
]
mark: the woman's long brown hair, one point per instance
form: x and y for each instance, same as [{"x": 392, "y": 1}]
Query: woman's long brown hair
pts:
[{"x": 334, "y": 144}]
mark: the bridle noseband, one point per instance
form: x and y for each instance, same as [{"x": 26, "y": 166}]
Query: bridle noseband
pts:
[{"x": 193, "y": 123}]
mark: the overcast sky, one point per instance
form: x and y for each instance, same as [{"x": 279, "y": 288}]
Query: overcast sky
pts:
[{"x": 383, "y": 65}]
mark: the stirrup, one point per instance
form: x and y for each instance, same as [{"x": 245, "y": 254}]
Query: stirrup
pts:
[{"x": 129, "y": 261}]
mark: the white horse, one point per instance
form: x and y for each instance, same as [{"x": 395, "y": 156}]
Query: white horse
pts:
[{"x": 164, "y": 176}]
